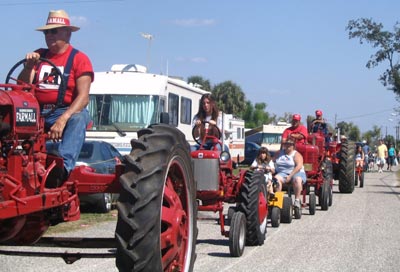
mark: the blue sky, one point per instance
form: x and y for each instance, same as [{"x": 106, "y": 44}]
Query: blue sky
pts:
[{"x": 293, "y": 55}]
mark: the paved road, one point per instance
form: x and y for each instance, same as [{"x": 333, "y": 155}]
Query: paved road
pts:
[{"x": 360, "y": 232}]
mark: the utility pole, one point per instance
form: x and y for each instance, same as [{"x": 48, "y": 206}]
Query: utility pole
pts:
[{"x": 148, "y": 37}]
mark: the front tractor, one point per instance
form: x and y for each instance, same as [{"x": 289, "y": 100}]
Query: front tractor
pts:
[
  {"x": 217, "y": 184},
  {"x": 156, "y": 228}
]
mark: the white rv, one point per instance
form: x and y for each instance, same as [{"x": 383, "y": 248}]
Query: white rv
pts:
[
  {"x": 127, "y": 99},
  {"x": 234, "y": 136},
  {"x": 269, "y": 136}
]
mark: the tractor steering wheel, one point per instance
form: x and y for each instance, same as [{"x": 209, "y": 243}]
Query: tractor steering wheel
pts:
[
  {"x": 37, "y": 84},
  {"x": 211, "y": 132}
]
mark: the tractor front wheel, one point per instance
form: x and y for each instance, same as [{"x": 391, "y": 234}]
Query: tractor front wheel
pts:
[
  {"x": 253, "y": 203},
  {"x": 237, "y": 234}
]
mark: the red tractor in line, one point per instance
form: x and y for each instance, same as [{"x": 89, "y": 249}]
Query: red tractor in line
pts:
[
  {"x": 217, "y": 184},
  {"x": 157, "y": 211},
  {"x": 325, "y": 161}
]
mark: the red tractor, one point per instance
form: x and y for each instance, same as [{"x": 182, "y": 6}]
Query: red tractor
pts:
[
  {"x": 217, "y": 184},
  {"x": 325, "y": 161},
  {"x": 156, "y": 228}
]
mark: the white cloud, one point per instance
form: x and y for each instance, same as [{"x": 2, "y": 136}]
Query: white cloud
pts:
[
  {"x": 194, "y": 22},
  {"x": 79, "y": 20},
  {"x": 198, "y": 60}
]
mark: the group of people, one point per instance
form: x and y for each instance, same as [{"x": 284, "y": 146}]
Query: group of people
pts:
[
  {"x": 286, "y": 167},
  {"x": 366, "y": 158}
]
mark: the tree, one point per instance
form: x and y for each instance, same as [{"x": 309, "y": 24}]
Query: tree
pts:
[
  {"x": 388, "y": 45},
  {"x": 204, "y": 83},
  {"x": 230, "y": 98},
  {"x": 351, "y": 131}
]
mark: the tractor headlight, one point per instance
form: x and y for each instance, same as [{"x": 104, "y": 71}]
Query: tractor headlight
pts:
[{"x": 225, "y": 156}]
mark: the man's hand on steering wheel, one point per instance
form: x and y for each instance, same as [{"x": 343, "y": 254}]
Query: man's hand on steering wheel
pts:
[{"x": 32, "y": 59}]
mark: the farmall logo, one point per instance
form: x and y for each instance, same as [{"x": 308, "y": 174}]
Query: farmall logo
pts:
[
  {"x": 25, "y": 117},
  {"x": 56, "y": 20}
]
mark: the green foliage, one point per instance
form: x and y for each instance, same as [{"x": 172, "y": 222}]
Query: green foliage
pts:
[
  {"x": 387, "y": 45},
  {"x": 351, "y": 131},
  {"x": 230, "y": 98},
  {"x": 204, "y": 83}
]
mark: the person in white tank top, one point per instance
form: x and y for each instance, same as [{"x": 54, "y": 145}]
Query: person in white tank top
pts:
[{"x": 289, "y": 169}]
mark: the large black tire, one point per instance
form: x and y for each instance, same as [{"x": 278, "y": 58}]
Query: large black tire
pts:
[
  {"x": 252, "y": 193},
  {"x": 287, "y": 210},
  {"x": 237, "y": 234},
  {"x": 157, "y": 200},
  {"x": 346, "y": 167}
]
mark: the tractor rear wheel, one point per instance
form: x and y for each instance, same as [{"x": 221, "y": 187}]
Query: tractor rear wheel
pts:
[
  {"x": 287, "y": 210},
  {"x": 237, "y": 234},
  {"x": 253, "y": 203},
  {"x": 156, "y": 228},
  {"x": 346, "y": 167}
]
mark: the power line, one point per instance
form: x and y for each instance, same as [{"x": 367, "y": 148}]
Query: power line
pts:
[
  {"x": 364, "y": 115},
  {"x": 30, "y": 2}
]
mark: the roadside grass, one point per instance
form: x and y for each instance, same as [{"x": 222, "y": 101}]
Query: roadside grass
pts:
[
  {"x": 86, "y": 220},
  {"x": 91, "y": 219}
]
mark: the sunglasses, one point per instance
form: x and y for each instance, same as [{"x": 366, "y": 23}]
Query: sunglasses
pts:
[{"x": 51, "y": 31}]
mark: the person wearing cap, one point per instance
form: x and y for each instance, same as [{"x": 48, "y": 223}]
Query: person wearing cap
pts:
[
  {"x": 296, "y": 132},
  {"x": 290, "y": 170},
  {"x": 318, "y": 124},
  {"x": 66, "y": 116}
]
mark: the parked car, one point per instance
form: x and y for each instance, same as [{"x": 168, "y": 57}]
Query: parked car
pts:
[
  {"x": 102, "y": 157},
  {"x": 250, "y": 152}
]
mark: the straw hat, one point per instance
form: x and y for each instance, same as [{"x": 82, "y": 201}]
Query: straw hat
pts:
[{"x": 57, "y": 18}]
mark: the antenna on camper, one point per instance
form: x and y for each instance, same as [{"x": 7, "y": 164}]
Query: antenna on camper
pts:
[{"x": 148, "y": 37}]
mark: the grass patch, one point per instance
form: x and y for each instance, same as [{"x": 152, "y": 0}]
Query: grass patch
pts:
[{"x": 87, "y": 220}]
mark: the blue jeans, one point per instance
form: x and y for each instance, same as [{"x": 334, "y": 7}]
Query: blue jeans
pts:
[{"x": 73, "y": 135}]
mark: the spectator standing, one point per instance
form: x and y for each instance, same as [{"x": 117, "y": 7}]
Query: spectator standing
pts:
[
  {"x": 391, "y": 156},
  {"x": 382, "y": 154},
  {"x": 366, "y": 151}
]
